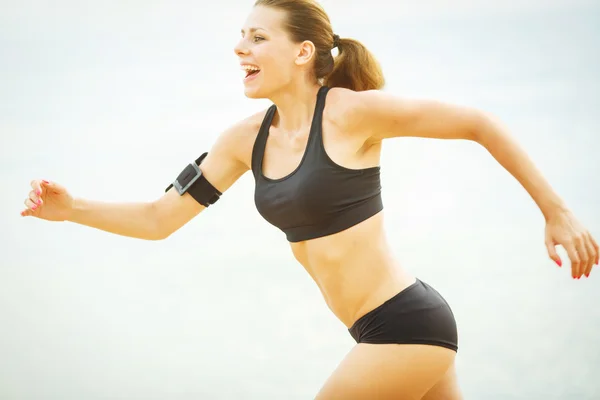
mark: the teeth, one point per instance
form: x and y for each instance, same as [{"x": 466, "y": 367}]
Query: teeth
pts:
[{"x": 250, "y": 68}]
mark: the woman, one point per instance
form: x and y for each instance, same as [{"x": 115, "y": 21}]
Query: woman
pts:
[{"x": 315, "y": 158}]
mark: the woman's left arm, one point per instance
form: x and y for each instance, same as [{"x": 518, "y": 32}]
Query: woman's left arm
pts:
[{"x": 379, "y": 115}]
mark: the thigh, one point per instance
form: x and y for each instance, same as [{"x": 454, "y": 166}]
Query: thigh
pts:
[
  {"x": 387, "y": 371},
  {"x": 446, "y": 388}
]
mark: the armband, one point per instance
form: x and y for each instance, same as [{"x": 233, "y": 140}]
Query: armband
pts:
[{"x": 191, "y": 180}]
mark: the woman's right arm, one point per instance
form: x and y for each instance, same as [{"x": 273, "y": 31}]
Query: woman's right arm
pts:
[{"x": 225, "y": 163}]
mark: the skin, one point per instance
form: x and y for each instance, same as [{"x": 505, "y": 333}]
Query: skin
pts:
[{"x": 355, "y": 269}]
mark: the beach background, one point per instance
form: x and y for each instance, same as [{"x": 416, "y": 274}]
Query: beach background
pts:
[{"x": 113, "y": 98}]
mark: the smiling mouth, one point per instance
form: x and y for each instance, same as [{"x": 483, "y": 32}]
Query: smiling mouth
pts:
[{"x": 250, "y": 70}]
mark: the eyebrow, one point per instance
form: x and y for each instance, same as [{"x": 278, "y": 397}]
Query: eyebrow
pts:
[{"x": 253, "y": 29}]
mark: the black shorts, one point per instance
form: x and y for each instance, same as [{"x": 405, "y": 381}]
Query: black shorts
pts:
[{"x": 416, "y": 315}]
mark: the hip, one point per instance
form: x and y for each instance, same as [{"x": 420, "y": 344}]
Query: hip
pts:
[{"x": 418, "y": 314}]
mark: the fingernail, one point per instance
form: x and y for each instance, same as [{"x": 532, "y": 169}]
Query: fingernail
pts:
[
  {"x": 558, "y": 262},
  {"x": 39, "y": 202},
  {"x": 38, "y": 192},
  {"x": 587, "y": 275},
  {"x": 34, "y": 207},
  {"x": 45, "y": 181}
]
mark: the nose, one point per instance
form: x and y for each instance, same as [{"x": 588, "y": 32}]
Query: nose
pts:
[{"x": 240, "y": 48}]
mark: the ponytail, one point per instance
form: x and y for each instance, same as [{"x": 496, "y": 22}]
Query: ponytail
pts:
[{"x": 354, "y": 67}]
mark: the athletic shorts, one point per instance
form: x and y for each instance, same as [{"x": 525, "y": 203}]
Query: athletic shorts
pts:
[{"x": 416, "y": 315}]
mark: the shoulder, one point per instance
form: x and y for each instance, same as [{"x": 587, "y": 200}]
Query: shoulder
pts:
[
  {"x": 375, "y": 115},
  {"x": 230, "y": 156},
  {"x": 355, "y": 113},
  {"x": 238, "y": 139},
  {"x": 244, "y": 130}
]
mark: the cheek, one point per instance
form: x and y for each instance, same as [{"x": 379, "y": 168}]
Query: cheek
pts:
[
  {"x": 280, "y": 68},
  {"x": 280, "y": 62}
]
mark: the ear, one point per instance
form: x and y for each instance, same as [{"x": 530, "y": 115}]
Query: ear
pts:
[{"x": 306, "y": 52}]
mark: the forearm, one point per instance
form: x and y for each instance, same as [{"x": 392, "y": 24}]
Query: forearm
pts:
[
  {"x": 137, "y": 220},
  {"x": 513, "y": 158}
]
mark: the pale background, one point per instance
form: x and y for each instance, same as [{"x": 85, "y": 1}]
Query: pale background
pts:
[{"x": 112, "y": 99}]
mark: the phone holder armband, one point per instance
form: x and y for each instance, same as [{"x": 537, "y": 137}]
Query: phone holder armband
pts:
[{"x": 191, "y": 180}]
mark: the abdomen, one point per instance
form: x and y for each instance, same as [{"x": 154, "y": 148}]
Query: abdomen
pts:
[{"x": 352, "y": 268}]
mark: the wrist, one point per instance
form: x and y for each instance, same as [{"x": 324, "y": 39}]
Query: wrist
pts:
[
  {"x": 77, "y": 205},
  {"x": 554, "y": 210}
]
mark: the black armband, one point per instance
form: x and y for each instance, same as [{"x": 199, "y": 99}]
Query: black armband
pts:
[{"x": 191, "y": 180}]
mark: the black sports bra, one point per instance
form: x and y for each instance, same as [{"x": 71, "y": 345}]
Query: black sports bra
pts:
[{"x": 319, "y": 197}]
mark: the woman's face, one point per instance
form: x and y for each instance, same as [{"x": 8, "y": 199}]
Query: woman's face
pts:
[{"x": 269, "y": 58}]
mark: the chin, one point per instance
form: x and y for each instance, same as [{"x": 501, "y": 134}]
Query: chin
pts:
[
  {"x": 255, "y": 92},
  {"x": 252, "y": 93}
]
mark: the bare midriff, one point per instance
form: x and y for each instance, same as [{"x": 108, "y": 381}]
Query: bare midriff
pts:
[{"x": 355, "y": 269}]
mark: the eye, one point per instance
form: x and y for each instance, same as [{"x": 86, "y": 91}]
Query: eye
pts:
[{"x": 258, "y": 38}]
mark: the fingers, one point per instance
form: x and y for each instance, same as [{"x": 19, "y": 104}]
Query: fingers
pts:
[
  {"x": 552, "y": 252},
  {"x": 27, "y": 212},
  {"x": 596, "y": 249},
  {"x": 574, "y": 257},
  {"x": 583, "y": 252},
  {"x": 580, "y": 245},
  {"x": 591, "y": 252},
  {"x": 52, "y": 187},
  {"x": 34, "y": 199},
  {"x": 31, "y": 206},
  {"x": 36, "y": 185},
  {"x": 32, "y": 203}
]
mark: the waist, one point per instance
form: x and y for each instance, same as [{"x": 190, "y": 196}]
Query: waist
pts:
[{"x": 354, "y": 269}]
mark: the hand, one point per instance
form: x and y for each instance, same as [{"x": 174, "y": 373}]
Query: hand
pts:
[
  {"x": 49, "y": 201},
  {"x": 564, "y": 229}
]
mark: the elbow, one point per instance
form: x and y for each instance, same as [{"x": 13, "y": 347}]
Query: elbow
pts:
[
  {"x": 160, "y": 235},
  {"x": 160, "y": 229},
  {"x": 169, "y": 213},
  {"x": 483, "y": 129}
]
